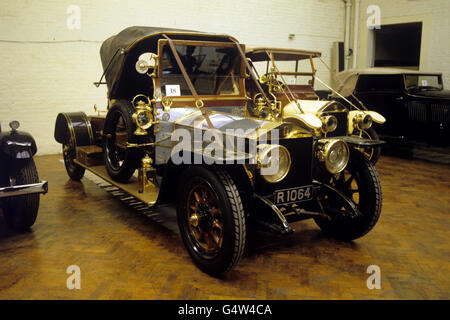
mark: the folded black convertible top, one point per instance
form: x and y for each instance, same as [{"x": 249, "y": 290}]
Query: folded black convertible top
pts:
[{"x": 120, "y": 53}]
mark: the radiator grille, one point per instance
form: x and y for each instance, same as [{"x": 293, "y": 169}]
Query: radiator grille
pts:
[
  {"x": 417, "y": 111},
  {"x": 440, "y": 113}
]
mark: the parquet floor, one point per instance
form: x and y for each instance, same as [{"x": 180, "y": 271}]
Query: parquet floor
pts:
[{"x": 124, "y": 254}]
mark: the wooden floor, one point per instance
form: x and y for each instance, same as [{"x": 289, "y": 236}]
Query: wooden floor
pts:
[{"x": 125, "y": 254}]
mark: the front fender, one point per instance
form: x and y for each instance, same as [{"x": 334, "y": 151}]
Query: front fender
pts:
[
  {"x": 17, "y": 144},
  {"x": 361, "y": 142}
]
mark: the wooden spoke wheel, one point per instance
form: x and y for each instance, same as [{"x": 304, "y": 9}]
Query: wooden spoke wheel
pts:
[{"x": 211, "y": 219}]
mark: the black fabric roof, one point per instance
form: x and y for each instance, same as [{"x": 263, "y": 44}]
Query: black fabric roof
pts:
[{"x": 119, "y": 55}]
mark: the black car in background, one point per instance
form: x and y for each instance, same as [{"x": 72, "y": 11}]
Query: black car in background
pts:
[
  {"x": 415, "y": 104},
  {"x": 20, "y": 187}
]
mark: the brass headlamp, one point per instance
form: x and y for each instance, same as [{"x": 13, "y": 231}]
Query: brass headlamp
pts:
[
  {"x": 362, "y": 121},
  {"x": 334, "y": 153},
  {"x": 329, "y": 123},
  {"x": 274, "y": 162}
]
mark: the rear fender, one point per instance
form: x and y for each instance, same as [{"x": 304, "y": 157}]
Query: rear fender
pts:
[{"x": 74, "y": 128}]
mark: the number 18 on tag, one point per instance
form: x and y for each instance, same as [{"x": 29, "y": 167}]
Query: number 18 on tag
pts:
[{"x": 173, "y": 90}]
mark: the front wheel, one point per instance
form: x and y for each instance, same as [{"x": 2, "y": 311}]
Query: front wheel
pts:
[
  {"x": 371, "y": 153},
  {"x": 211, "y": 219},
  {"x": 21, "y": 211},
  {"x": 361, "y": 184}
]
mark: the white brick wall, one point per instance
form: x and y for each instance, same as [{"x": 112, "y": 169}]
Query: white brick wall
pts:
[{"x": 41, "y": 79}]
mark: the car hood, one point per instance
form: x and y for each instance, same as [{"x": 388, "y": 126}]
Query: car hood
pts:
[{"x": 223, "y": 122}]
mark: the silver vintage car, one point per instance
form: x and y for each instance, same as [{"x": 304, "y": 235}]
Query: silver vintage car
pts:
[{"x": 178, "y": 113}]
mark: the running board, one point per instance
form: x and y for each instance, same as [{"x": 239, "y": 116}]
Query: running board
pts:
[{"x": 149, "y": 196}]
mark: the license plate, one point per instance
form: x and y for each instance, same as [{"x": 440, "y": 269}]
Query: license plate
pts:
[{"x": 292, "y": 195}]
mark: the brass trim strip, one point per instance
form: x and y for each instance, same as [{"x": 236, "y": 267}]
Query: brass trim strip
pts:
[
  {"x": 71, "y": 129},
  {"x": 89, "y": 127}
]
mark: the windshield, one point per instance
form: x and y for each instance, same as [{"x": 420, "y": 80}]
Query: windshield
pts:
[
  {"x": 293, "y": 71},
  {"x": 212, "y": 70},
  {"x": 423, "y": 82}
]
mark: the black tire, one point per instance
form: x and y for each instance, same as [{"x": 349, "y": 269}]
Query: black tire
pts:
[
  {"x": 75, "y": 171},
  {"x": 120, "y": 162},
  {"x": 21, "y": 211},
  {"x": 226, "y": 228},
  {"x": 371, "y": 153},
  {"x": 368, "y": 199}
]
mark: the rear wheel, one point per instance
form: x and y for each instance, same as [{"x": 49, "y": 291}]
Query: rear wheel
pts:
[
  {"x": 211, "y": 219},
  {"x": 75, "y": 171},
  {"x": 120, "y": 161},
  {"x": 361, "y": 184},
  {"x": 21, "y": 211}
]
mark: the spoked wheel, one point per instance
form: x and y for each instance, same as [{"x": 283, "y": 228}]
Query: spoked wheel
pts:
[
  {"x": 360, "y": 183},
  {"x": 120, "y": 161},
  {"x": 371, "y": 153},
  {"x": 205, "y": 220},
  {"x": 211, "y": 219},
  {"x": 75, "y": 171}
]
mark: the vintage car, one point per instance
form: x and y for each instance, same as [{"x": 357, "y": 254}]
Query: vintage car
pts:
[
  {"x": 178, "y": 113},
  {"x": 415, "y": 103},
  {"x": 289, "y": 75},
  {"x": 20, "y": 187}
]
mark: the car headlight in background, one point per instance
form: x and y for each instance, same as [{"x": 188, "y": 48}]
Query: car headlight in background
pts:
[
  {"x": 274, "y": 162},
  {"x": 362, "y": 121},
  {"x": 14, "y": 125},
  {"x": 329, "y": 123},
  {"x": 334, "y": 153}
]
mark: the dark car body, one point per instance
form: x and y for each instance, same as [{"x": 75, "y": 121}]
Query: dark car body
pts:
[
  {"x": 415, "y": 104},
  {"x": 16, "y": 146},
  {"x": 19, "y": 183}
]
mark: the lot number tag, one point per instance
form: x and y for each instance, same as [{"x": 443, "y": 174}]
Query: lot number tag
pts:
[{"x": 173, "y": 90}]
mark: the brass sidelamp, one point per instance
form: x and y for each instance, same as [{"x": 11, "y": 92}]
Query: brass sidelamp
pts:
[{"x": 143, "y": 116}]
